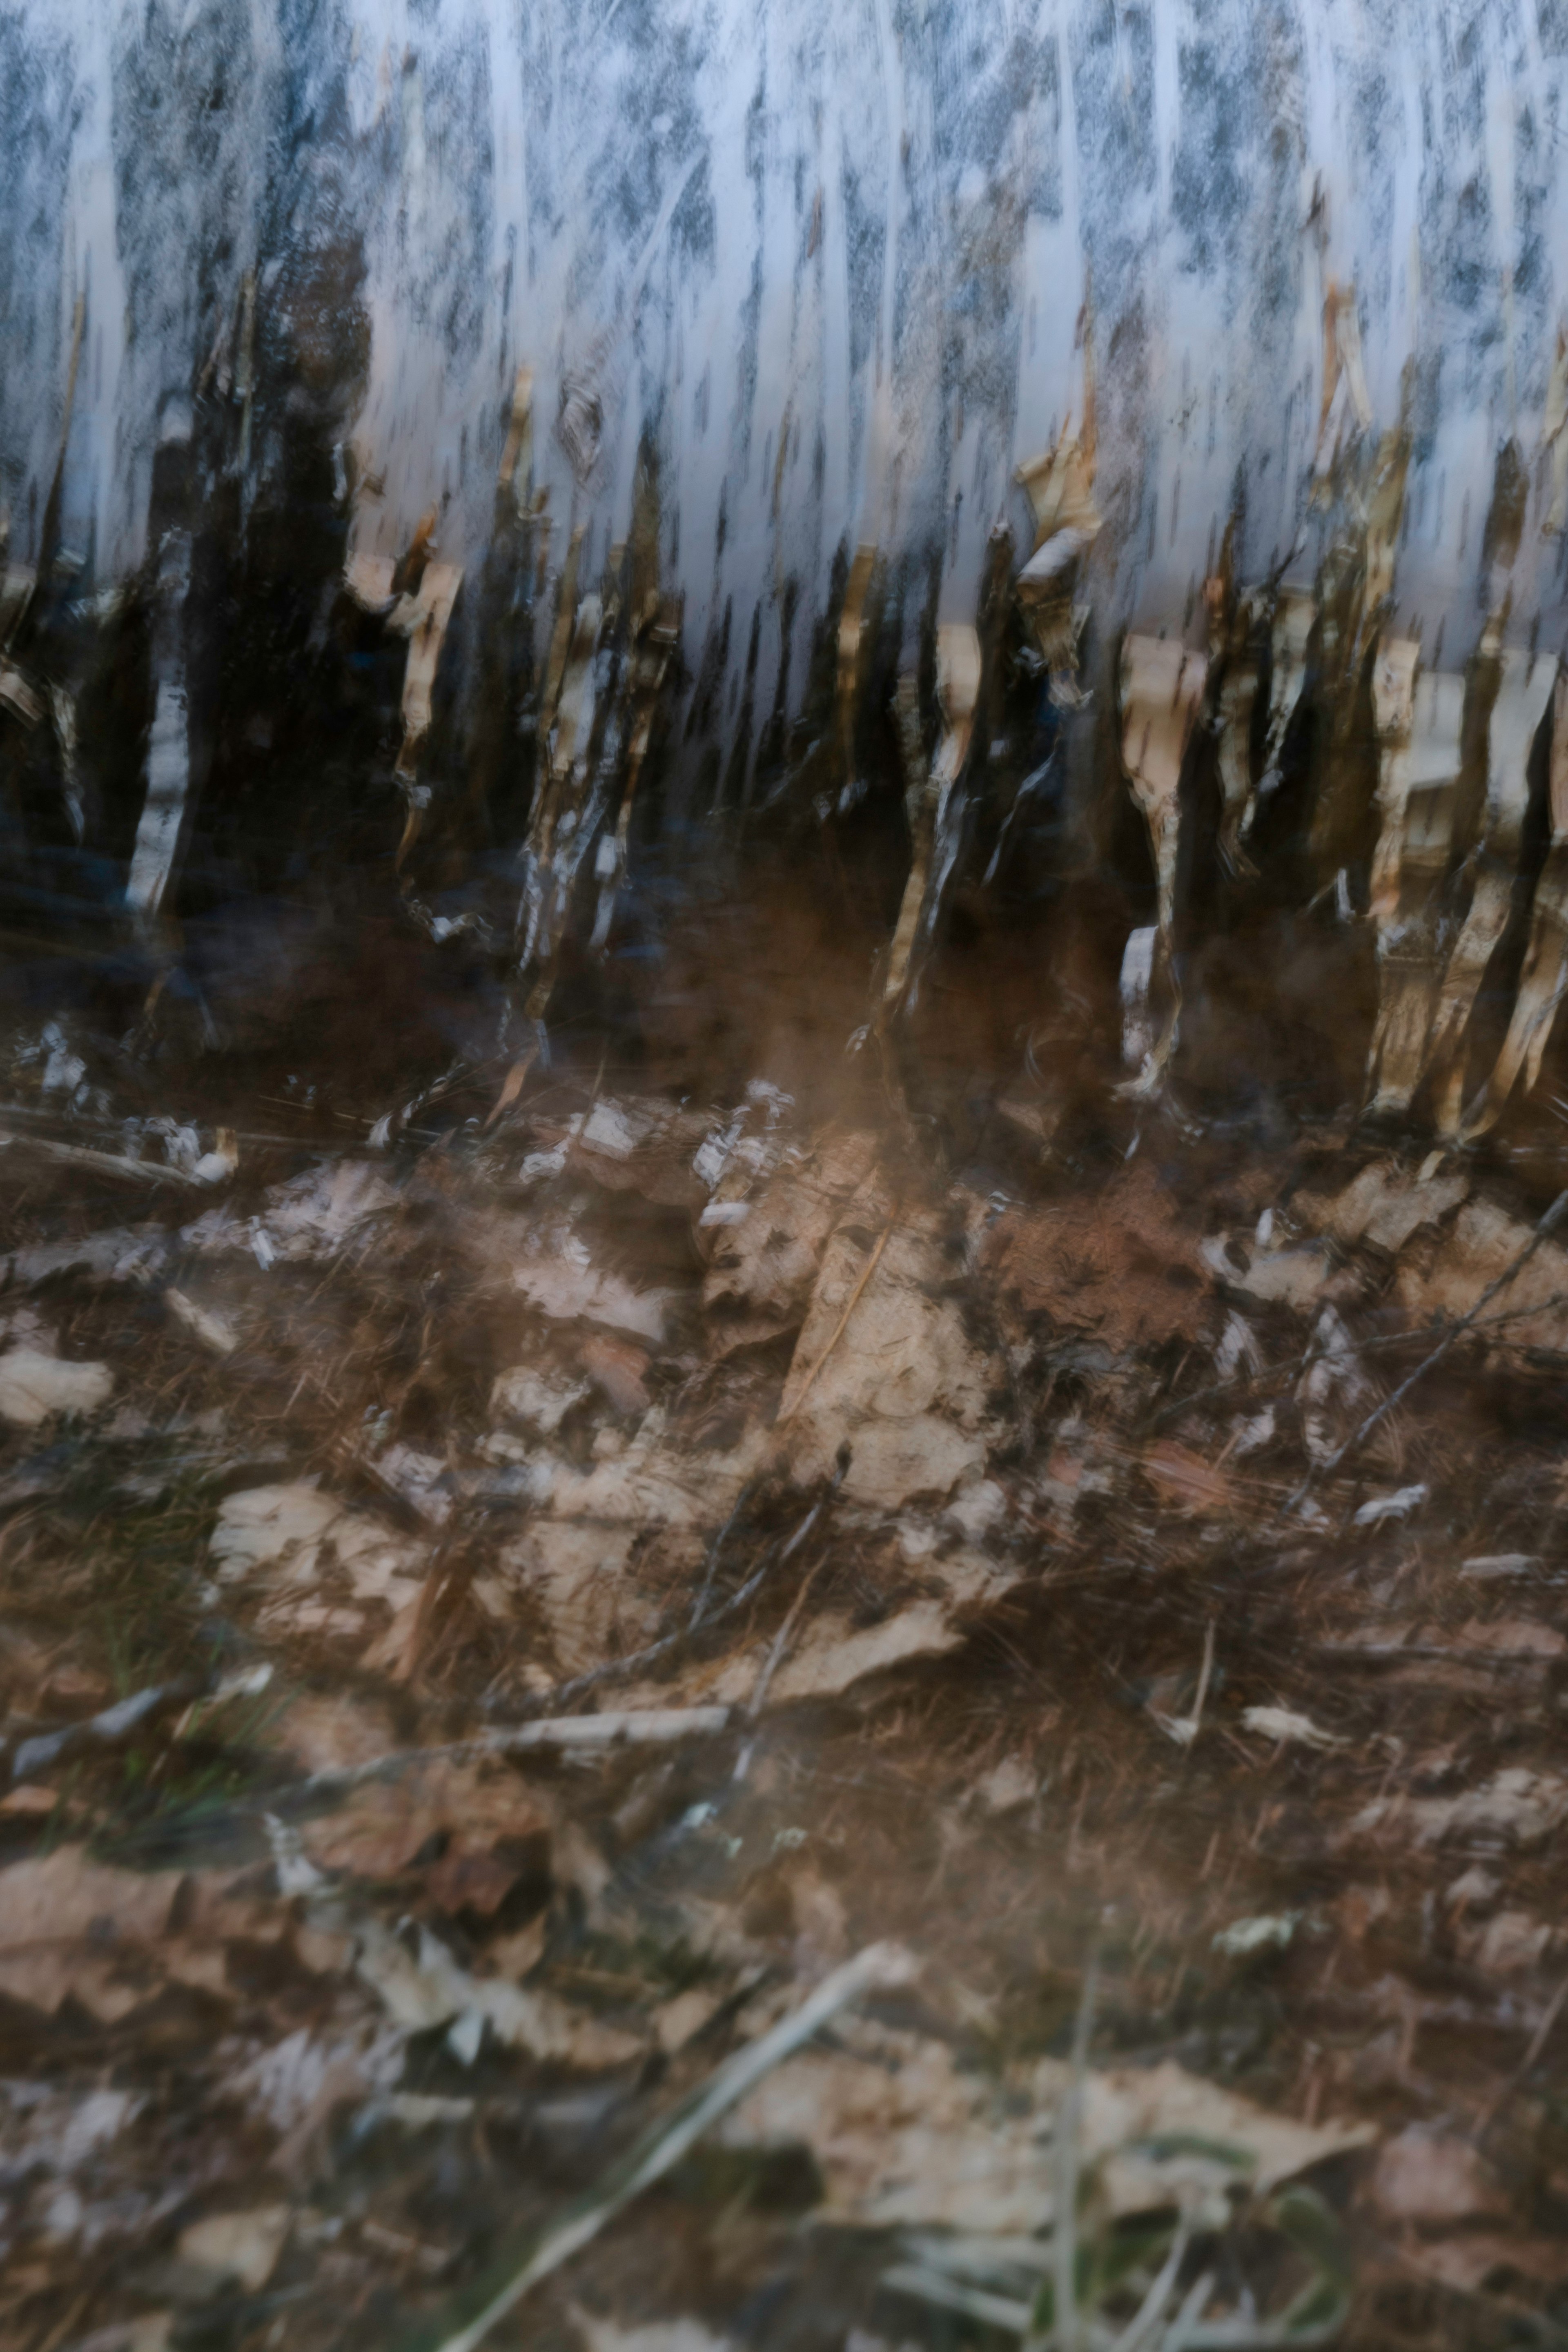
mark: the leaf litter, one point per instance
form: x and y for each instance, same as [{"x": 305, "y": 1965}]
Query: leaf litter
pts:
[{"x": 495, "y": 1628}]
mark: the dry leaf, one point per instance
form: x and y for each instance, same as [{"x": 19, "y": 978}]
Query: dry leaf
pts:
[
  {"x": 570, "y": 1292},
  {"x": 241, "y": 2247},
  {"x": 213, "y": 1331},
  {"x": 34, "y": 1386},
  {"x": 761, "y": 1274},
  {"x": 617, "y": 1369},
  {"x": 833, "y": 1658},
  {"x": 899, "y": 1381},
  {"x": 1279, "y": 1723},
  {"x": 1471, "y": 2260},
  {"x": 299, "y": 1533},
  {"x": 64, "y": 1921},
  {"x": 1516, "y": 1807},
  {"x": 1432, "y": 2177},
  {"x": 432, "y": 1990},
  {"x": 1384, "y": 1206},
  {"x": 1483, "y": 1243},
  {"x": 901, "y": 2137},
  {"x": 483, "y": 1828}
]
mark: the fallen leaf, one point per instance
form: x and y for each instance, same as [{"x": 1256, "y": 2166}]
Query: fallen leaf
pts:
[
  {"x": 1334, "y": 1393},
  {"x": 1279, "y": 1723},
  {"x": 1300, "y": 1279},
  {"x": 834, "y": 1658},
  {"x": 900, "y": 2137},
  {"x": 1127, "y": 2108},
  {"x": 1384, "y": 1204},
  {"x": 312, "y": 1216},
  {"x": 241, "y": 2247},
  {"x": 213, "y": 1331},
  {"x": 535, "y": 1400},
  {"x": 1271, "y": 1932},
  {"x": 764, "y": 1265},
  {"x": 479, "y": 1830},
  {"x": 1448, "y": 1276},
  {"x": 884, "y": 1364},
  {"x": 1008, "y": 1788},
  {"x": 569, "y": 1292},
  {"x": 1517, "y": 1807},
  {"x": 617, "y": 1369},
  {"x": 432, "y": 1990},
  {"x": 1433, "y": 2177},
  {"x": 1472, "y": 2260},
  {"x": 333, "y": 1733},
  {"x": 676, "y": 2022},
  {"x": 29, "y": 1802},
  {"x": 1402, "y": 1505},
  {"x": 34, "y": 1386},
  {"x": 1512, "y": 1943},
  {"x": 66, "y": 1921},
  {"x": 1512, "y": 1637},
  {"x": 302, "y": 1532},
  {"x": 641, "y": 1146}
]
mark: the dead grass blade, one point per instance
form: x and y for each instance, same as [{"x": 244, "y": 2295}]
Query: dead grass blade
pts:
[{"x": 880, "y": 1965}]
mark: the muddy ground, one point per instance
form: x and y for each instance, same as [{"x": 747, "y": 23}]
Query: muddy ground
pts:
[{"x": 513, "y": 1576}]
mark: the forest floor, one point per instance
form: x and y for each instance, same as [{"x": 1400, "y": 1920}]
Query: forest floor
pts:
[{"x": 500, "y": 1613}]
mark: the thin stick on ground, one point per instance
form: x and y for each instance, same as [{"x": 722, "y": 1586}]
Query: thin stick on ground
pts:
[
  {"x": 1204, "y": 1671},
  {"x": 635, "y": 1726},
  {"x": 1358, "y": 1437},
  {"x": 661, "y": 2149},
  {"x": 1380, "y": 1343},
  {"x": 771, "y": 1665},
  {"x": 1538, "y": 2041},
  {"x": 103, "y": 1164}
]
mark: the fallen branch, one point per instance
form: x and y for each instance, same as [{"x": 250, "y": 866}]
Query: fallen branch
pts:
[{"x": 659, "y": 2151}]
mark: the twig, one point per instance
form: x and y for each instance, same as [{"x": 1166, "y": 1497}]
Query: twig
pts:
[
  {"x": 637, "y": 1727},
  {"x": 662, "y": 2148},
  {"x": 871, "y": 1265},
  {"x": 1537, "y": 2041},
  {"x": 737, "y": 1599},
  {"x": 781, "y": 1642},
  {"x": 776, "y": 1650},
  {"x": 1553, "y": 2010},
  {"x": 106, "y": 1163},
  {"x": 636, "y": 1659},
  {"x": 1357, "y": 1437},
  {"x": 103, "y": 1730},
  {"x": 1292, "y": 1369},
  {"x": 699, "y": 1606},
  {"x": 1203, "y": 1673}
]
